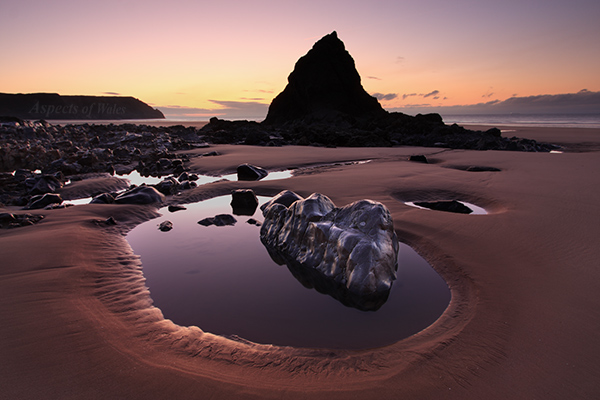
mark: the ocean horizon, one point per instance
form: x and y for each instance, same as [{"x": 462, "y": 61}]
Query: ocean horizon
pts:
[{"x": 533, "y": 120}]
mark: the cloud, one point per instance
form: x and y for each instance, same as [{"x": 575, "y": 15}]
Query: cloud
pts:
[
  {"x": 582, "y": 102},
  {"x": 399, "y": 59},
  {"x": 251, "y": 110},
  {"x": 112, "y": 93},
  {"x": 386, "y": 96},
  {"x": 434, "y": 93},
  {"x": 374, "y": 77}
]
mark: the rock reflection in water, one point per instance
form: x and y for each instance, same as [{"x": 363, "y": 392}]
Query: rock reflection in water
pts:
[{"x": 313, "y": 279}]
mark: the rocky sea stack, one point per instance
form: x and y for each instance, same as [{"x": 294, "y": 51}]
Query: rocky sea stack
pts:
[
  {"x": 324, "y": 104},
  {"x": 323, "y": 86}
]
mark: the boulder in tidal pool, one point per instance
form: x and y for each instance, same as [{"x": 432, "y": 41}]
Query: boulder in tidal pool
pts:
[
  {"x": 243, "y": 202},
  {"x": 350, "y": 253}
]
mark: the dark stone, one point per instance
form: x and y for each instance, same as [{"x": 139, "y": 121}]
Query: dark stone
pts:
[
  {"x": 140, "y": 195},
  {"x": 349, "y": 253},
  {"x": 41, "y": 201},
  {"x": 323, "y": 85},
  {"x": 175, "y": 208},
  {"x": 445, "y": 205},
  {"x": 247, "y": 172},
  {"x": 218, "y": 220},
  {"x": 285, "y": 198},
  {"x": 183, "y": 177},
  {"x": 165, "y": 226},
  {"x": 104, "y": 198},
  {"x": 252, "y": 221},
  {"x": 8, "y": 220},
  {"x": 477, "y": 168},
  {"x": 186, "y": 185},
  {"x": 419, "y": 158},
  {"x": 168, "y": 186},
  {"x": 243, "y": 202}
]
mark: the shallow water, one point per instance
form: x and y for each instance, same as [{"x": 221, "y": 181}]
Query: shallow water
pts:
[
  {"x": 476, "y": 209},
  {"x": 222, "y": 280}
]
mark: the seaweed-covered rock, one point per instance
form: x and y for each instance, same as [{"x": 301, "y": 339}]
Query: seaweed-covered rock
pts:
[{"x": 349, "y": 253}]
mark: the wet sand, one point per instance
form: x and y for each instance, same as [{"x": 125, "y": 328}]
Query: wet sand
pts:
[{"x": 78, "y": 322}]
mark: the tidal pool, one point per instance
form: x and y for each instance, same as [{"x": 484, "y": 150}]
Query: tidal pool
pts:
[
  {"x": 222, "y": 279},
  {"x": 475, "y": 210}
]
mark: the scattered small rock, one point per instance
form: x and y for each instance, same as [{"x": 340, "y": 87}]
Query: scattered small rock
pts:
[
  {"x": 419, "y": 158},
  {"x": 244, "y": 202},
  {"x": 165, "y": 226},
  {"x": 140, "y": 195},
  {"x": 176, "y": 208},
  {"x": 219, "y": 220},
  {"x": 41, "y": 201},
  {"x": 104, "y": 198},
  {"x": 445, "y": 205},
  {"x": 9, "y": 220},
  {"x": 252, "y": 221},
  {"x": 248, "y": 172}
]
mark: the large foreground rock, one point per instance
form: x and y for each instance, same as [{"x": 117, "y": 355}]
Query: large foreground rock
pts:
[{"x": 350, "y": 253}]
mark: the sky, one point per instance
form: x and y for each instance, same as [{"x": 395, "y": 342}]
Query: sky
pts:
[{"x": 198, "y": 59}]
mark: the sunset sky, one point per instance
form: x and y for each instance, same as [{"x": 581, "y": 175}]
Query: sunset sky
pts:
[{"x": 230, "y": 58}]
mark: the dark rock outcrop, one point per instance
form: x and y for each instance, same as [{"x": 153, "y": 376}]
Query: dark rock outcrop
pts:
[
  {"x": 9, "y": 220},
  {"x": 140, "y": 195},
  {"x": 248, "y": 172},
  {"x": 244, "y": 202},
  {"x": 324, "y": 86},
  {"x": 218, "y": 220},
  {"x": 54, "y": 106},
  {"x": 41, "y": 201},
  {"x": 445, "y": 205},
  {"x": 104, "y": 198},
  {"x": 165, "y": 226},
  {"x": 418, "y": 158},
  {"x": 349, "y": 253}
]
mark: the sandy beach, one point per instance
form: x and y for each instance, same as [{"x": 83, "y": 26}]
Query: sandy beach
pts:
[{"x": 78, "y": 321}]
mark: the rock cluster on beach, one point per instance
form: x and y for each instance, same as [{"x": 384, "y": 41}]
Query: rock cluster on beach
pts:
[
  {"x": 77, "y": 149},
  {"x": 349, "y": 253},
  {"x": 74, "y": 150},
  {"x": 9, "y": 220}
]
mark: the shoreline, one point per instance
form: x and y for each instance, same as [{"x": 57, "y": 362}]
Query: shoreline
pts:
[{"x": 79, "y": 322}]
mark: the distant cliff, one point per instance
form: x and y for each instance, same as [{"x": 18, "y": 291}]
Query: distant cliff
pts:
[{"x": 54, "y": 106}]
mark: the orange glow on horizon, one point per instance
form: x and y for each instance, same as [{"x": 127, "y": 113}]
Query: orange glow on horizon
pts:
[{"x": 189, "y": 53}]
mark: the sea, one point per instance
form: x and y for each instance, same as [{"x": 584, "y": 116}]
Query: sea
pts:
[{"x": 532, "y": 120}]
